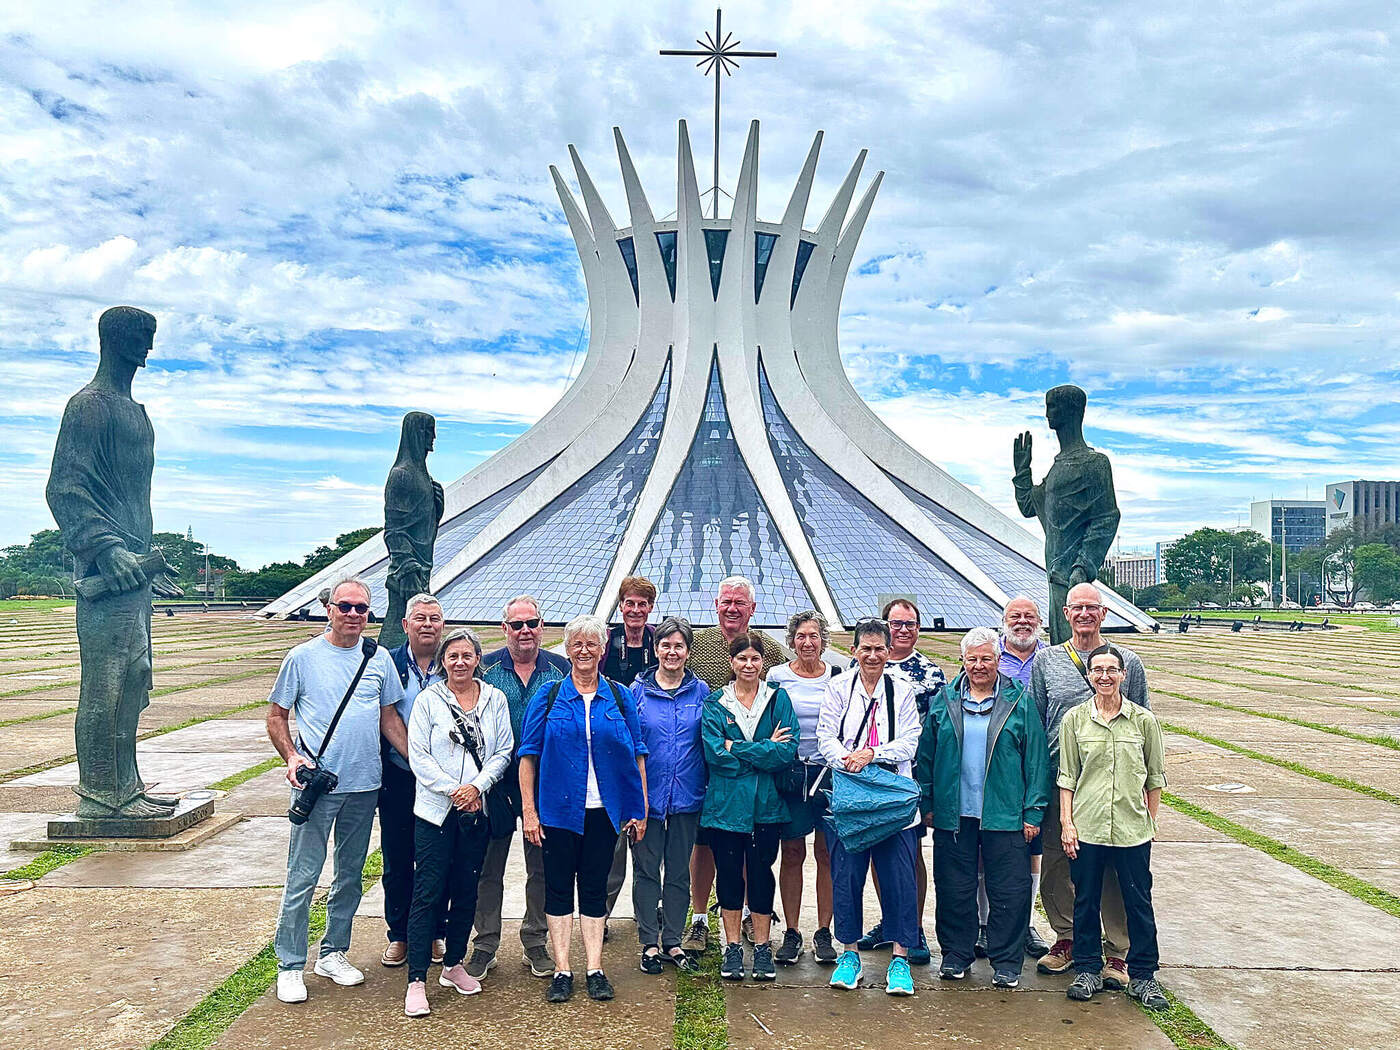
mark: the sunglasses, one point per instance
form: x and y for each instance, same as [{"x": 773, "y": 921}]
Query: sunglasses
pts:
[
  {"x": 355, "y": 607},
  {"x": 516, "y": 625}
]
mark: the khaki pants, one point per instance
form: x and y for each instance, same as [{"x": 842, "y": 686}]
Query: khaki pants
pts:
[
  {"x": 490, "y": 891},
  {"x": 1057, "y": 890}
]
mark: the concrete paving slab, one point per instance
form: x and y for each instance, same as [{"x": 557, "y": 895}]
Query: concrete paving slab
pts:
[
  {"x": 166, "y": 772},
  {"x": 1176, "y": 827},
  {"x": 21, "y": 826},
  {"x": 1248, "y": 1012},
  {"x": 510, "y": 1011},
  {"x": 36, "y": 799},
  {"x": 1194, "y": 765},
  {"x": 221, "y": 735},
  {"x": 266, "y": 795},
  {"x": 137, "y": 962}
]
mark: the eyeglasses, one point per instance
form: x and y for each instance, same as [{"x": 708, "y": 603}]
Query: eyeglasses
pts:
[
  {"x": 355, "y": 607},
  {"x": 1104, "y": 672},
  {"x": 904, "y": 625},
  {"x": 516, "y": 625},
  {"x": 1084, "y": 608}
]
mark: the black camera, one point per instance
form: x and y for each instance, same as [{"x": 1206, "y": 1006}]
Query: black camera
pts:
[{"x": 314, "y": 782}]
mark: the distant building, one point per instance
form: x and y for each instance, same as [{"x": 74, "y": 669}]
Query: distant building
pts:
[
  {"x": 1293, "y": 524},
  {"x": 1134, "y": 570},
  {"x": 1371, "y": 504}
]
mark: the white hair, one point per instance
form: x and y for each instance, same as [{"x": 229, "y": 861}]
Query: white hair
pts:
[
  {"x": 505, "y": 609},
  {"x": 738, "y": 581},
  {"x": 585, "y": 625},
  {"x": 344, "y": 581},
  {"x": 977, "y": 636},
  {"x": 421, "y": 598}
]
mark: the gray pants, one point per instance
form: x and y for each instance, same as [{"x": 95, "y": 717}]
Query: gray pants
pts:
[
  {"x": 667, "y": 843},
  {"x": 533, "y": 931},
  {"x": 352, "y": 816}
]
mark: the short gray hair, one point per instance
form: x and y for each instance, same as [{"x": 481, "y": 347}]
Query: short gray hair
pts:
[
  {"x": 344, "y": 581},
  {"x": 978, "y": 636},
  {"x": 738, "y": 581},
  {"x": 421, "y": 598},
  {"x": 585, "y": 625},
  {"x": 808, "y": 616},
  {"x": 459, "y": 634},
  {"x": 505, "y": 609},
  {"x": 674, "y": 625}
]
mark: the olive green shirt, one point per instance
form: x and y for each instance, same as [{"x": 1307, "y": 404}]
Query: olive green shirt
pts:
[
  {"x": 1110, "y": 766},
  {"x": 709, "y": 657}
]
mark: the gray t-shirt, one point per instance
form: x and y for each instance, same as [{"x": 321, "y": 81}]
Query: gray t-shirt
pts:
[
  {"x": 1058, "y": 686},
  {"x": 311, "y": 683}
]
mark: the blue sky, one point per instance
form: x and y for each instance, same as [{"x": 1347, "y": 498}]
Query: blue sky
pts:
[{"x": 340, "y": 212}]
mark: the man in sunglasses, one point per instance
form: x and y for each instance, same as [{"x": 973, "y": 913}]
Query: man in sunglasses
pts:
[
  {"x": 315, "y": 677},
  {"x": 518, "y": 669}
]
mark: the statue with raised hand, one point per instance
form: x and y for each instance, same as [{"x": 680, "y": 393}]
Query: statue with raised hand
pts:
[
  {"x": 412, "y": 510},
  {"x": 99, "y": 491},
  {"x": 1075, "y": 502}
]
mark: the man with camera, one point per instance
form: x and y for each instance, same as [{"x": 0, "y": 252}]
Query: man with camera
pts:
[{"x": 343, "y": 690}]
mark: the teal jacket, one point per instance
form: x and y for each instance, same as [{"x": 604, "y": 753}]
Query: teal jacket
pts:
[
  {"x": 1018, "y": 760},
  {"x": 743, "y": 789}
]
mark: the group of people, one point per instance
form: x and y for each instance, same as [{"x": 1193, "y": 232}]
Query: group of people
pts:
[{"x": 707, "y": 757}]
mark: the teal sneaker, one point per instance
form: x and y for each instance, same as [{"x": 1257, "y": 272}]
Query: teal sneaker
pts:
[
  {"x": 847, "y": 973},
  {"x": 898, "y": 979}
]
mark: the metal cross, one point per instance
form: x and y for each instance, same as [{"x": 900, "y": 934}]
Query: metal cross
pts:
[{"x": 718, "y": 54}]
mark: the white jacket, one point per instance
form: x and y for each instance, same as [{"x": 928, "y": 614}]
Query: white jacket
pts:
[{"x": 442, "y": 765}]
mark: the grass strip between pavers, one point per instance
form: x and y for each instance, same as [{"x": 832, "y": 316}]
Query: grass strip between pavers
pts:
[
  {"x": 1333, "y": 876},
  {"x": 36, "y": 717},
  {"x": 51, "y": 858},
  {"x": 701, "y": 1023},
  {"x": 231, "y": 782},
  {"x": 1181, "y": 1025},
  {"x": 1364, "y": 738},
  {"x": 168, "y": 689},
  {"x": 211, "y": 1017},
  {"x": 1283, "y": 763},
  {"x": 1345, "y": 705}
]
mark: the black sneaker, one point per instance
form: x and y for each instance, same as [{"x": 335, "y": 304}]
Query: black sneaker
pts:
[
  {"x": 732, "y": 968},
  {"x": 952, "y": 970},
  {"x": 1006, "y": 979},
  {"x": 680, "y": 959},
  {"x": 1148, "y": 992},
  {"x": 651, "y": 961},
  {"x": 875, "y": 938},
  {"x": 1036, "y": 947},
  {"x": 1084, "y": 987},
  {"x": 980, "y": 948},
  {"x": 599, "y": 987},
  {"x": 561, "y": 988},
  {"x": 763, "y": 962},
  {"x": 791, "y": 949},
  {"x": 822, "y": 948}
]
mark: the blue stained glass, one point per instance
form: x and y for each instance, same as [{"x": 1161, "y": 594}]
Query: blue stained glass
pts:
[
  {"x": 865, "y": 555},
  {"x": 714, "y": 525},
  {"x": 715, "y": 241},
  {"x": 563, "y": 553},
  {"x": 628, "y": 248},
  {"x": 762, "y": 253},
  {"x": 804, "y": 252},
  {"x": 666, "y": 242}
]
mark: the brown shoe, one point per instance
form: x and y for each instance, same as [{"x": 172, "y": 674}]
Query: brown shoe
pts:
[
  {"x": 439, "y": 951},
  {"x": 698, "y": 939},
  {"x": 1059, "y": 959},
  {"x": 1114, "y": 973},
  {"x": 395, "y": 954}
]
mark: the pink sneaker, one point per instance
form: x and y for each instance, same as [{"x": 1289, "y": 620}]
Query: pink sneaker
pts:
[
  {"x": 457, "y": 977},
  {"x": 415, "y": 1003}
]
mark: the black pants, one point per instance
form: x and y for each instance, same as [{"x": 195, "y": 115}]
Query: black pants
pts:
[
  {"x": 584, "y": 860},
  {"x": 448, "y": 867},
  {"x": 1134, "y": 867},
  {"x": 743, "y": 862},
  {"x": 396, "y": 832},
  {"x": 1006, "y": 863}
]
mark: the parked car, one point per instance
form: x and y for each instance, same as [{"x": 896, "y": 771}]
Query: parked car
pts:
[{"x": 1364, "y": 607}]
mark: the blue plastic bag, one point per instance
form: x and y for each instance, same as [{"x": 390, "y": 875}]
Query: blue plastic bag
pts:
[{"x": 870, "y": 806}]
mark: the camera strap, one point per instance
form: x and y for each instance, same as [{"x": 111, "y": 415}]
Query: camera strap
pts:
[{"x": 368, "y": 645}]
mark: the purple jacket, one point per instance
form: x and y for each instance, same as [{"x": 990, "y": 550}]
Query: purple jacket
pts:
[{"x": 676, "y": 772}]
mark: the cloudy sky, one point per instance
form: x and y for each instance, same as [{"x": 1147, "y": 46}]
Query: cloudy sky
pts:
[{"x": 342, "y": 211}]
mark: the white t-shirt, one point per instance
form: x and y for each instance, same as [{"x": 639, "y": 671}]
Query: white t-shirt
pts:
[
  {"x": 593, "y": 799},
  {"x": 806, "y": 695}
]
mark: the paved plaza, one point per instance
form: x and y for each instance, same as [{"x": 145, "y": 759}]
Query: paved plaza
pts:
[{"x": 1276, "y": 876}]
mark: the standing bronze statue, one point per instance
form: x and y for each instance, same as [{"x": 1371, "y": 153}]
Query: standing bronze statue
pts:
[
  {"x": 1075, "y": 503},
  {"x": 412, "y": 510},
  {"x": 100, "y": 493}
]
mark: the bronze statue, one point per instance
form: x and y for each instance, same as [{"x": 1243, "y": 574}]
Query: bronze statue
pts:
[
  {"x": 412, "y": 510},
  {"x": 1075, "y": 503},
  {"x": 100, "y": 493}
]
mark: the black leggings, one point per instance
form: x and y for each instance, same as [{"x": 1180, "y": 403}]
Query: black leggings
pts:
[
  {"x": 738, "y": 853},
  {"x": 447, "y": 868},
  {"x": 585, "y": 859}
]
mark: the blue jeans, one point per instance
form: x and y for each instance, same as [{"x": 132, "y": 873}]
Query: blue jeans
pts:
[
  {"x": 899, "y": 900},
  {"x": 351, "y": 814}
]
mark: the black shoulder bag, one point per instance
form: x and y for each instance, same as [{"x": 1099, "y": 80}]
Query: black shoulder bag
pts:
[{"x": 500, "y": 815}]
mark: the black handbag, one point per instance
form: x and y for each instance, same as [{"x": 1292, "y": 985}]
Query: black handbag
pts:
[{"x": 500, "y": 816}]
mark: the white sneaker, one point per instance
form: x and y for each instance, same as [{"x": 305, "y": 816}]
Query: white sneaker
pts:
[
  {"x": 291, "y": 986},
  {"x": 338, "y": 969}
]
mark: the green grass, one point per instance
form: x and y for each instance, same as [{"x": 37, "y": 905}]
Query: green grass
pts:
[
  {"x": 1371, "y": 621},
  {"x": 202, "y": 1026},
  {"x": 37, "y": 717},
  {"x": 1367, "y": 689},
  {"x": 1187, "y": 1031},
  {"x": 1345, "y": 705},
  {"x": 1336, "y": 877},
  {"x": 51, "y": 858},
  {"x": 40, "y": 604},
  {"x": 167, "y": 690},
  {"x": 1282, "y": 763},
  {"x": 1366, "y": 738},
  {"x": 229, "y": 783},
  {"x": 700, "y": 1014}
]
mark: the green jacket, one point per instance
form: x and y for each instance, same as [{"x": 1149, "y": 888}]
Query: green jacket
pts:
[
  {"x": 742, "y": 790},
  {"x": 1018, "y": 760}
]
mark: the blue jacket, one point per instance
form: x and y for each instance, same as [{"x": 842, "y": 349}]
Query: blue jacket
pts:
[
  {"x": 561, "y": 748},
  {"x": 671, "y": 732}
]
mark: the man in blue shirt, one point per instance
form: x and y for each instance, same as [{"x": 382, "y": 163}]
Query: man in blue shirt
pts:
[{"x": 518, "y": 669}]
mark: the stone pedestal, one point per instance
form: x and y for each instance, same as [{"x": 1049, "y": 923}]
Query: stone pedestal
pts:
[{"x": 187, "y": 814}]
